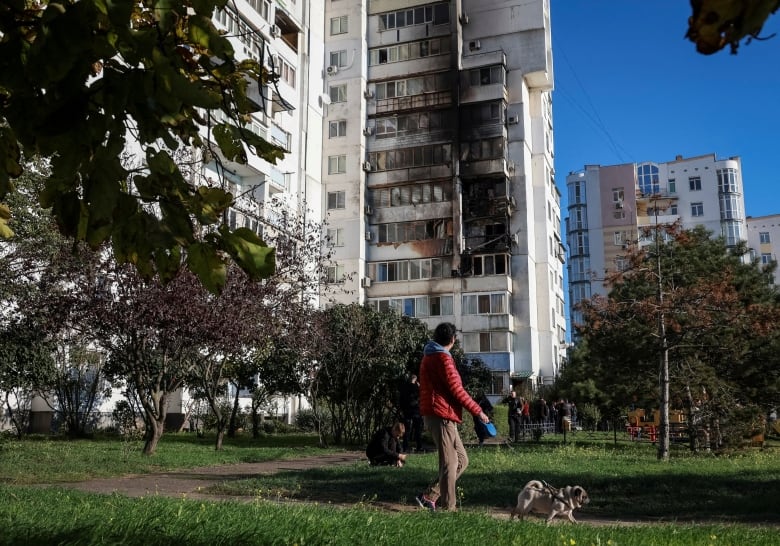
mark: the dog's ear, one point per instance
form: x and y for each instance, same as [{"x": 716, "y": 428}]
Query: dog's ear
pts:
[{"x": 578, "y": 491}]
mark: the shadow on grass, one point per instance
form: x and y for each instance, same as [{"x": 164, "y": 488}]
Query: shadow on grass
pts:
[{"x": 738, "y": 496}]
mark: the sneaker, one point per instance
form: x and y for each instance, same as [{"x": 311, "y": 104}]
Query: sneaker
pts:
[{"x": 424, "y": 502}]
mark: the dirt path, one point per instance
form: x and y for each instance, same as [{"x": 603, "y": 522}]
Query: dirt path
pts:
[{"x": 191, "y": 482}]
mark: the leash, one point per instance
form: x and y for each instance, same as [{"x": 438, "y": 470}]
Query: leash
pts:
[{"x": 556, "y": 493}]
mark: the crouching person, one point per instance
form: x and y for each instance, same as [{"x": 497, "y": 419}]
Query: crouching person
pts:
[{"x": 385, "y": 446}]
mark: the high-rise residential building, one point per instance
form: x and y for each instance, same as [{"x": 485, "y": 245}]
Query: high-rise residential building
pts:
[
  {"x": 609, "y": 205},
  {"x": 286, "y": 38},
  {"x": 438, "y": 177},
  {"x": 763, "y": 235},
  {"x": 422, "y": 132}
]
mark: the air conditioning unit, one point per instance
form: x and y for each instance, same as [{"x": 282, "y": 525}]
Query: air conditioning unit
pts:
[
  {"x": 275, "y": 31},
  {"x": 464, "y": 19},
  {"x": 332, "y": 69},
  {"x": 510, "y": 166},
  {"x": 368, "y": 94},
  {"x": 513, "y": 120},
  {"x": 475, "y": 45},
  {"x": 366, "y": 165},
  {"x": 369, "y": 235},
  {"x": 619, "y": 205},
  {"x": 368, "y": 131},
  {"x": 365, "y": 282}
]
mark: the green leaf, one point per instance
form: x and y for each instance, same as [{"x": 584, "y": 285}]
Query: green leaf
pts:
[
  {"x": 10, "y": 157},
  {"x": 203, "y": 260},
  {"x": 208, "y": 204},
  {"x": 249, "y": 251},
  {"x": 229, "y": 142},
  {"x": 5, "y": 214},
  {"x": 168, "y": 263},
  {"x": 177, "y": 222}
]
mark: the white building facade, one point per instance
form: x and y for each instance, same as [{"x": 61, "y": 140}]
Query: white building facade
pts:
[
  {"x": 608, "y": 206},
  {"x": 438, "y": 178}
]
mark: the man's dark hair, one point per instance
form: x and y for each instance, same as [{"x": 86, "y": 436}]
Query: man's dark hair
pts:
[{"x": 444, "y": 333}]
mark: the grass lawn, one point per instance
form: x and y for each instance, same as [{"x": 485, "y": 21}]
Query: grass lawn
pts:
[{"x": 702, "y": 499}]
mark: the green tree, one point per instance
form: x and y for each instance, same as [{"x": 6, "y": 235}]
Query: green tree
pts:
[
  {"x": 82, "y": 80},
  {"x": 718, "y": 315},
  {"x": 363, "y": 354}
]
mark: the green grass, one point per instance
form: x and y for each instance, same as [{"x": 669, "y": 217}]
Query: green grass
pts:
[
  {"x": 704, "y": 499},
  {"x": 45, "y": 459}
]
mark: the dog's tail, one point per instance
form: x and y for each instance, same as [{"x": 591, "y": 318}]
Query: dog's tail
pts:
[{"x": 535, "y": 484}]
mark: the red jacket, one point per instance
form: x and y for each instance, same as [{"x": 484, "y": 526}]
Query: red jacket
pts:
[{"x": 441, "y": 389}]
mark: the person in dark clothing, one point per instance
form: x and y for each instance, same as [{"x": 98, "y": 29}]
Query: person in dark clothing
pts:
[
  {"x": 410, "y": 410},
  {"x": 479, "y": 426},
  {"x": 385, "y": 446}
]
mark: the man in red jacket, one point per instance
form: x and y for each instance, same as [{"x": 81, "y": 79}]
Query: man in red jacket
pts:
[{"x": 442, "y": 399}]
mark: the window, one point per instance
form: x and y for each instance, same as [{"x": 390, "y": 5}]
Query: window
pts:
[
  {"x": 697, "y": 209},
  {"x": 407, "y": 51},
  {"x": 337, "y": 164},
  {"x": 672, "y": 185},
  {"x": 673, "y": 209},
  {"x": 485, "y": 342},
  {"x": 338, "y": 58},
  {"x": 438, "y": 14},
  {"x": 339, "y": 25},
  {"x": 285, "y": 70},
  {"x": 491, "y": 264},
  {"x": 414, "y": 231},
  {"x": 422, "y": 122},
  {"x": 487, "y": 75},
  {"x": 727, "y": 180},
  {"x": 485, "y": 304},
  {"x": 336, "y": 236},
  {"x": 338, "y": 93},
  {"x": 694, "y": 183},
  {"x": 766, "y": 259},
  {"x": 440, "y": 305},
  {"x": 335, "y": 274},
  {"x": 421, "y": 156},
  {"x": 732, "y": 232},
  {"x": 729, "y": 206},
  {"x": 419, "y": 306},
  {"x": 647, "y": 178},
  {"x": 400, "y": 196},
  {"x": 404, "y": 270},
  {"x": 763, "y": 237},
  {"x": 337, "y": 128},
  {"x": 619, "y": 238},
  {"x": 336, "y": 200},
  {"x": 263, "y": 7}
]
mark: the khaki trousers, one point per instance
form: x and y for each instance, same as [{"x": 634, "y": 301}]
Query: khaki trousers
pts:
[{"x": 453, "y": 460}]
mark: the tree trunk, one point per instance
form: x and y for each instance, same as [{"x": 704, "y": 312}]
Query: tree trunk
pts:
[
  {"x": 233, "y": 414},
  {"x": 154, "y": 432}
]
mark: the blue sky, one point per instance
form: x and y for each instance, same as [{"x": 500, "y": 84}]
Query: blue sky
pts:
[{"x": 630, "y": 88}]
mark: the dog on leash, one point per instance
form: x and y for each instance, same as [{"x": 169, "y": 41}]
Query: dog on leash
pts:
[{"x": 537, "y": 496}]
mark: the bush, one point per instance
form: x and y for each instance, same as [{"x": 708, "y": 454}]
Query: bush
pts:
[{"x": 589, "y": 415}]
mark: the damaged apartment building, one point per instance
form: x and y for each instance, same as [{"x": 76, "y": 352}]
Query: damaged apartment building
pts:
[{"x": 438, "y": 176}]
